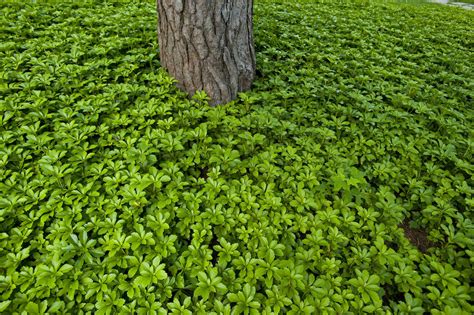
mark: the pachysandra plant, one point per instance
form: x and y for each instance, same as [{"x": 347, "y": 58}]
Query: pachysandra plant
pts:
[{"x": 341, "y": 183}]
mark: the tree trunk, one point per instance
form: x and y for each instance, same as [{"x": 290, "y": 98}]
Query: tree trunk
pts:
[{"x": 208, "y": 45}]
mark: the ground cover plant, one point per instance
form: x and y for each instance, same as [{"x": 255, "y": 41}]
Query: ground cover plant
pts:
[{"x": 342, "y": 183}]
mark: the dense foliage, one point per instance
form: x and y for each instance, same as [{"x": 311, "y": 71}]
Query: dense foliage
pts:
[{"x": 342, "y": 183}]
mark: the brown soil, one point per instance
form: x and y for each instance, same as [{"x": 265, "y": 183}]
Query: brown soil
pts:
[{"x": 417, "y": 237}]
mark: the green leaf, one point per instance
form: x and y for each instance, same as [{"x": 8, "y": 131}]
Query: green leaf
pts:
[
  {"x": 143, "y": 281},
  {"x": 4, "y": 305}
]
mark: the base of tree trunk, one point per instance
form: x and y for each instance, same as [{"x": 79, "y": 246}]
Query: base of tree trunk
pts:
[{"x": 208, "y": 45}]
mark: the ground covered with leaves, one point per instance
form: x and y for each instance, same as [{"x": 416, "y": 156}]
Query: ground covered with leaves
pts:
[{"x": 342, "y": 183}]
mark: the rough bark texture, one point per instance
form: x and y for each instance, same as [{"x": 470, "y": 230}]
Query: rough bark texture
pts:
[{"x": 208, "y": 45}]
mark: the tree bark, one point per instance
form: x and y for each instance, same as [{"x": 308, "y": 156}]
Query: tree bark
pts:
[{"x": 208, "y": 45}]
